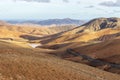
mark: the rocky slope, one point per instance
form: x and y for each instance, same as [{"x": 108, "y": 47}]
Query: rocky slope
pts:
[{"x": 102, "y": 23}]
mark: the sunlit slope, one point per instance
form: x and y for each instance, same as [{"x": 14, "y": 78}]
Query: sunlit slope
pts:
[
  {"x": 22, "y": 63},
  {"x": 36, "y": 30},
  {"x": 29, "y": 32},
  {"x": 94, "y": 29},
  {"x": 72, "y": 36},
  {"x": 4, "y": 33}
]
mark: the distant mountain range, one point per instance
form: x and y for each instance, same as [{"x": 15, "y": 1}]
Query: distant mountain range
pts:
[{"x": 66, "y": 21}]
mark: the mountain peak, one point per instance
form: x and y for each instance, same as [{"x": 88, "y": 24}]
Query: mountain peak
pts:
[{"x": 102, "y": 23}]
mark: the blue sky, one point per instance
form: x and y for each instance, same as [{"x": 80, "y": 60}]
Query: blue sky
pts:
[{"x": 50, "y": 9}]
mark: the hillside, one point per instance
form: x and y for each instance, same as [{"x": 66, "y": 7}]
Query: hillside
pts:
[
  {"x": 3, "y": 23},
  {"x": 92, "y": 30},
  {"x": 102, "y": 23},
  {"x": 16, "y": 31},
  {"x": 19, "y": 62},
  {"x": 59, "y": 40},
  {"x": 101, "y": 44},
  {"x": 108, "y": 50}
]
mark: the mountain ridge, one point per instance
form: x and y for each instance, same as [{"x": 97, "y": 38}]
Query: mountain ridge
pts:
[
  {"x": 102, "y": 23},
  {"x": 65, "y": 21}
]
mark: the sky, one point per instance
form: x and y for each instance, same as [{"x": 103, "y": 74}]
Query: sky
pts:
[{"x": 52, "y": 9}]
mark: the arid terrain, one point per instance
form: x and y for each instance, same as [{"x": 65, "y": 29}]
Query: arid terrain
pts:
[
  {"x": 69, "y": 52},
  {"x": 98, "y": 39}
]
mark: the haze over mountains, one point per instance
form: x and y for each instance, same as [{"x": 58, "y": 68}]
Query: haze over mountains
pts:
[{"x": 66, "y": 21}]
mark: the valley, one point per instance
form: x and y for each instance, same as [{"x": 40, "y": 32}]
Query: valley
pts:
[
  {"x": 59, "y": 39},
  {"x": 90, "y": 51}
]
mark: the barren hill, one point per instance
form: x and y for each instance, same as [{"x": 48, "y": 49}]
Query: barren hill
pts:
[
  {"x": 101, "y": 43},
  {"x": 102, "y": 23},
  {"x": 15, "y": 31},
  {"x": 108, "y": 50},
  {"x": 3, "y": 23},
  {"x": 25, "y": 63},
  {"x": 98, "y": 43},
  {"x": 92, "y": 30}
]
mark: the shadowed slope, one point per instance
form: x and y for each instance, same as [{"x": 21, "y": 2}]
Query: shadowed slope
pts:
[{"x": 105, "y": 50}]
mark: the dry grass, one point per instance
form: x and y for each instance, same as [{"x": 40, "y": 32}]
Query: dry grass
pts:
[
  {"x": 105, "y": 50},
  {"x": 20, "y": 63},
  {"x": 15, "y": 31},
  {"x": 75, "y": 36},
  {"x": 83, "y": 42}
]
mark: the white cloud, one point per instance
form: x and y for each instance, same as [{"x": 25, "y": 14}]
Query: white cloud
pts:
[
  {"x": 67, "y": 1},
  {"x": 111, "y": 3},
  {"x": 44, "y": 1}
]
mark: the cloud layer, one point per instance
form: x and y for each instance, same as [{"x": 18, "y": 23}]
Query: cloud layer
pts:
[
  {"x": 111, "y": 3},
  {"x": 67, "y": 1},
  {"x": 44, "y": 1}
]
